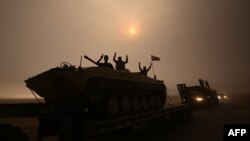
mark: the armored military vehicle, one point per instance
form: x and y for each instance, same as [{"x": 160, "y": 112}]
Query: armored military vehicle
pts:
[
  {"x": 103, "y": 91},
  {"x": 82, "y": 103},
  {"x": 198, "y": 96}
]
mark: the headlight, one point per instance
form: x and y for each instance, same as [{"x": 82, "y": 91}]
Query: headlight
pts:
[
  {"x": 219, "y": 97},
  {"x": 199, "y": 99},
  {"x": 225, "y": 97}
]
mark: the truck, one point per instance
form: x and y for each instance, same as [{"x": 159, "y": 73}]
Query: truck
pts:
[
  {"x": 199, "y": 96},
  {"x": 86, "y": 102}
]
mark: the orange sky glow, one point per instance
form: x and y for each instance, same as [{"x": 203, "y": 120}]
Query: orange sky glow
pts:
[{"x": 192, "y": 40}]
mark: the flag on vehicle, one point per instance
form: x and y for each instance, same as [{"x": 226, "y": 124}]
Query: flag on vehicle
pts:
[{"x": 154, "y": 58}]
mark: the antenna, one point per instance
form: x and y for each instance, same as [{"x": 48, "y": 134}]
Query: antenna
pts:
[
  {"x": 80, "y": 62},
  {"x": 153, "y": 69}
]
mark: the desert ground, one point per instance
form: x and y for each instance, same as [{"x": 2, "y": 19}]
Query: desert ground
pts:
[{"x": 207, "y": 124}]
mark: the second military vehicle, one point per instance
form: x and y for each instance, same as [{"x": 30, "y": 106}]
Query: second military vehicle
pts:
[{"x": 198, "y": 96}]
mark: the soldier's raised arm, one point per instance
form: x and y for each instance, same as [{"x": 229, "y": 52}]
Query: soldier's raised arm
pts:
[
  {"x": 140, "y": 66},
  {"x": 149, "y": 67},
  {"x": 114, "y": 57},
  {"x": 100, "y": 59},
  {"x": 126, "y": 59}
]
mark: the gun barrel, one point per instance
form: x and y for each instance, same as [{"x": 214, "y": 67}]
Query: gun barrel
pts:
[{"x": 86, "y": 57}]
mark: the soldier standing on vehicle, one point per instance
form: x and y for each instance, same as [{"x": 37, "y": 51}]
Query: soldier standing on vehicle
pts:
[
  {"x": 201, "y": 83},
  {"x": 145, "y": 70},
  {"x": 207, "y": 84},
  {"x": 119, "y": 64},
  {"x": 106, "y": 64}
]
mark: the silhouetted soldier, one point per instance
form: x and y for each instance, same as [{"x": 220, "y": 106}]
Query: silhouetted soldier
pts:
[
  {"x": 119, "y": 64},
  {"x": 106, "y": 64},
  {"x": 144, "y": 71},
  {"x": 207, "y": 85},
  {"x": 201, "y": 83}
]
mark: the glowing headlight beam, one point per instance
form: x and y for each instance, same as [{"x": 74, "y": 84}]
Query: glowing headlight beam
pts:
[{"x": 199, "y": 99}]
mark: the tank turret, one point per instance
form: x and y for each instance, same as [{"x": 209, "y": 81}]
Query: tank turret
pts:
[{"x": 101, "y": 90}]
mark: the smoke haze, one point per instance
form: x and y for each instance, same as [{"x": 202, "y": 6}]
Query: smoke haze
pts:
[{"x": 206, "y": 39}]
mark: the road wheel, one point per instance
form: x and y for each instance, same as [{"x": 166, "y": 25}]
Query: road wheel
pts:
[
  {"x": 136, "y": 104},
  {"x": 158, "y": 101},
  {"x": 145, "y": 103},
  {"x": 125, "y": 105},
  {"x": 113, "y": 106},
  {"x": 152, "y": 102}
]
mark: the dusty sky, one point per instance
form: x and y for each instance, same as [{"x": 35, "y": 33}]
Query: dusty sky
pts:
[{"x": 207, "y": 39}]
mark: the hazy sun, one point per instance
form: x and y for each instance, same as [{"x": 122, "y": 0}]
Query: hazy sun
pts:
[{"x": 132, "y": 31}]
